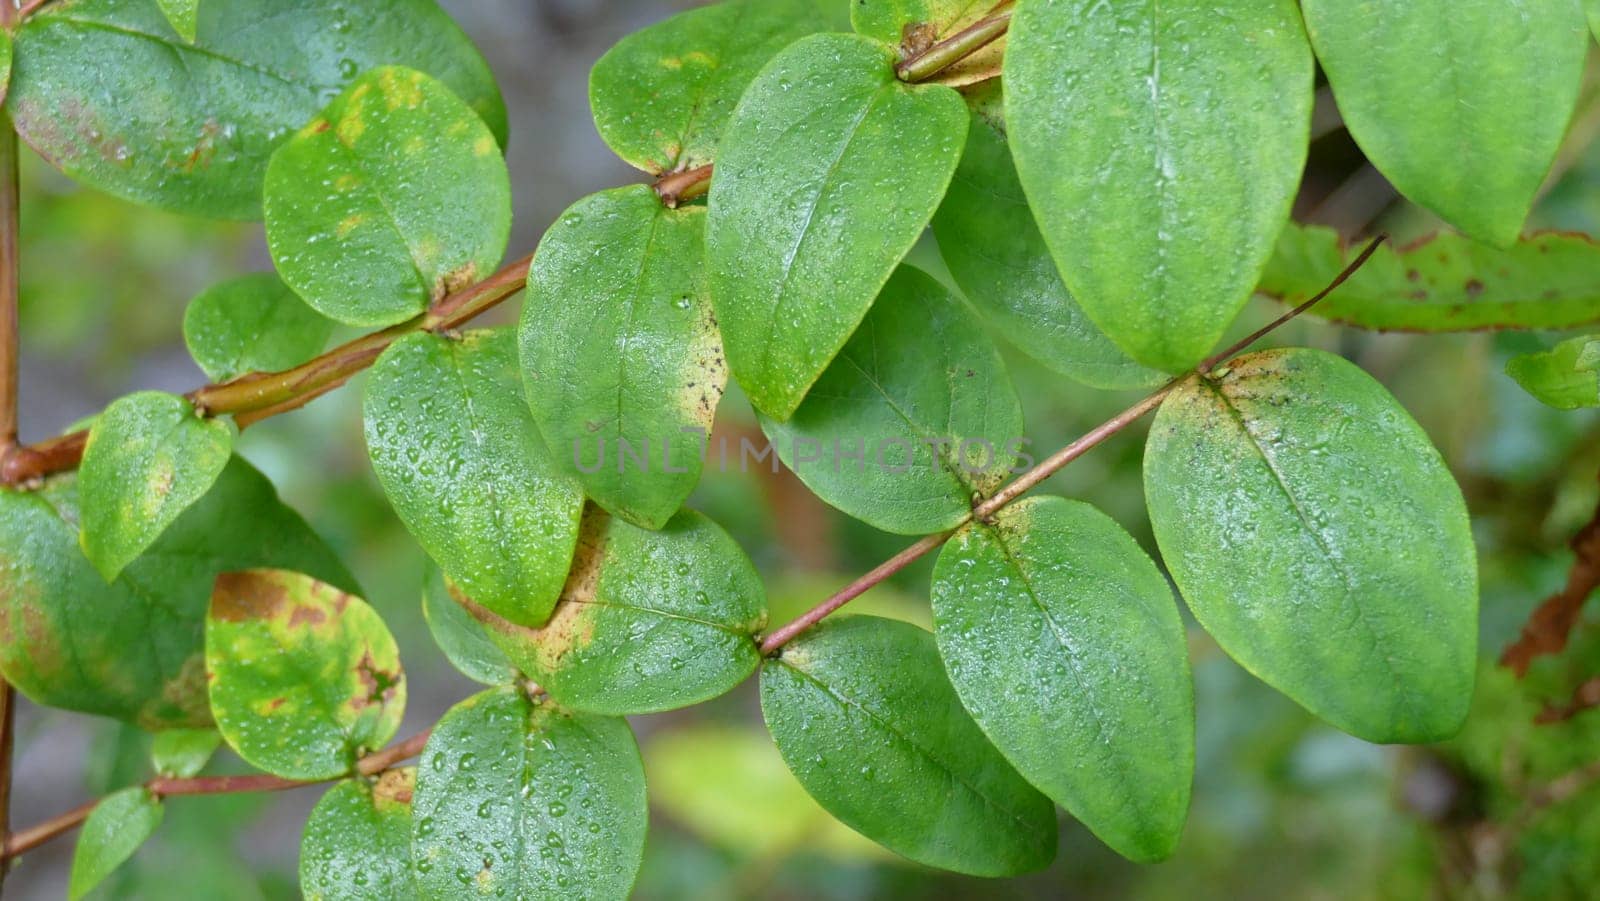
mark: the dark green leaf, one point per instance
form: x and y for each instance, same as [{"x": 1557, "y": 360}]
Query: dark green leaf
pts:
[
  {"x": 865, "y": 718},
  {"x": 527, "y": 801},
  {"x": 181, "y": 753},
  {"x": 357, "y": 843},
  {"x": 5, "y": 65},
  {"x": 459, "y": 456},
  {"x": 461, "y": 637},
  {"x": 620, "y": 352},
  {"x": 1317, "y": 535},
  {"x": 1566, "y": 376},
  {"x": 826, "y": 176},
  {"x": 1161, "y": 145},
  {"x": 1062, "y": 639},
  {"x": 914, "y": 25},
  {"x": 392, "y": 197},
  {"x": 914, "y": 418},
  {"x": 253, "y": 323},
  {"x": 148, "y": 459},
  {"x": 117, "y": 826},
  {"x": 256, "y": 71},
  {"x": 183, "y": 16},
  {"x": 1488, "y": 89},
  {"x": 304, "y": 677}
]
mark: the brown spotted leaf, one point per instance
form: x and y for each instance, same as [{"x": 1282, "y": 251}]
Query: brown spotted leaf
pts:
[{"x": 357, "y": 842}]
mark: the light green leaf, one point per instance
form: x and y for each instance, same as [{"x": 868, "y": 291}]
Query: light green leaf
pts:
[
  {"x": 357, "y": 843},
  {"x": 865, "y": 718},
  {"x": 1445, "y": 283},
  {"x": 253, "y": 323},
  {"x": 181, "y": 753},
  {"x": 527, "y": 801},
  {"x": 461, "y": 637},
  {"x": 304, "y": 677},
  {"x": 1317, "y": 535},
  {"x": 134, "y": 649},
  {"x": 1566, "y": 376},
  {"x": 988, "y": 238},
  {"x": 458, "y": 454},
  {"x": 1488, "y": 89},
  {"x": 183, "y": 16},
  {"x": 6, "y": 54},
  {"x": 663, "y": 94},
  {"x": 912, "y": 26},
  {"x": 1160, "y": 145},
  {"x": 254, "y": 72},
  {"x": 149, "y": 457},
  {"x": 392, "y": 197},
  {"x": 914, "y": 418},
  {"x": 648, "y": 621},
  {"x": 117, "y": 826},
  {"x": 1062, "y": 639},
  {"x": 826, "y": 176},
  {"x": 620, "y": 351}
]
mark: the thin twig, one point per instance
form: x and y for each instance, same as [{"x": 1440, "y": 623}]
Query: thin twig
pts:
[
  {"x": 10, "y": 204},
  {"x": 1550, "y": 625},
  {"x": 27, "y": 10},
  {"x": 957, "y": 47},
  {"x": 676, "y": 187}
]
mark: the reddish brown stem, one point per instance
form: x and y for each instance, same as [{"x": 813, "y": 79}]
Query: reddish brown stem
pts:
[
  {"x": 957, "y": 47},
  {"x": 676, "y": 187},
  {"x": 1552, "y": 622}
]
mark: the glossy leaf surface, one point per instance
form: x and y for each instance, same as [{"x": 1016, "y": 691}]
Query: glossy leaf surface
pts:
[
  {"x": 183, "y": 16},
  {"x": 182, "y": 753},
  {"x": 357, "y": 843},
  {"x": 461, "y": 637},
  {"x": 1566, "y": 376},
  {"x": 115, "y": 829},
  {"x": 253, "y": 323}
]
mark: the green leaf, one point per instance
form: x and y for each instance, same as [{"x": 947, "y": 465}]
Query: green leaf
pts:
[
  {"x": 134, "y": 649},
  {"x": 648, "y": 621},
  {"x": 1317, "y": 535},
  {"x": 827, "y": 175},
  {"x": 1161, "y": 145},
  {"x": 620, "y": 352},
  {"x": 357, "y": 843},
  {"x": 1566, "y": 376},
  {"x": 6, "y": 54},
  {"x": 149, "y": 457},
  {"x": 392, "y": 197},
  {"x": 988, "y": 238},
  {"x": 865, "y": 718},
  {"x": 528, "y": 801},
  {"x": 117, "y": 826},
  {"x": 253, "y": 323},
  {"x": 1062, "y": 639},
  {"x": 1488, "y": 90},
  {"x": 459, "y": 456},
  {"x": 1444, "y": 283},
  {"x": 254, "y": 72},
  {"x": 662, "y": 96},
  {"x": 914, "y": 418},
  {"x": 913, "y": 25},
  {"x": 183, "y": 16},
  {"x": 461, "y": 637},
  {"x": 181, "y": 753},
  {"x": 304, "y": 677}
]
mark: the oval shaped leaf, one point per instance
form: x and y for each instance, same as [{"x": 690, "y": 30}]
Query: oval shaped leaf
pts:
[
  {"x": 527, "y": 801},
  {"x": 914, "y": 25},
  {"x": 1161, "y": 145},
  {"x": 1488, "y": 91},
  {"x": 227, "y": 100},
  {"x": 1317, "y": 535},
  {"x": 304, "y": 677},
  {"x": 462, "y": 638},
  {"x": 117, "y": 826},
  {"x": 391, "y": 198},
  {"x": 826, "y": 176},
  {"x": 648, "y": 621},
  {"x": 1062, "y": 639},
  {"x": 149, "y": 457},
  {"x": 181, "y": 753},
  {"x": 865, "y": 718},
  {"x": 1566, "y": 376},
  {"x": 357, "y": 843},
  {"x": 253, "y": 323},
  {"x": 914, "y": 419},
  {"x": 620, "y": 351},
  {"x": 458, "y": 454}
]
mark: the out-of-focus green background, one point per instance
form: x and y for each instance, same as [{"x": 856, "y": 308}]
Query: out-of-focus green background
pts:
[{"x": 1283, "y": 805}]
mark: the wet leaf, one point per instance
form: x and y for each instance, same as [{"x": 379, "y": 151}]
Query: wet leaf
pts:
[
  {"x": 183, "y": 16},
  {"x": 149, "y": 457},
  {"x": 200, "y": 144},
  {"x": 865, "y": 718},
  {"x": 1062, "y": 638},
  {"x": 620, "y": 351},
  {"x": 181, "y": 753},
  {"x": 357, "y": 843},
  {"x": 1489, "y": 89},
  {"x": 1160, "y": 145},
  {"x": 911, "y": 26},
  {"x": 826, "y": 176},
  {"x": 1566, "y": 376},
  {"x": 461, "y": 637},
  {"x": 528, "y": 801},
  {"x": 253, "y": 323},
  {"x": 1317, "y": 535},
  {"x": 913, "y": 419},
  {"x": 304, "y": 678},
  {"x": 648, "y": 620},
  {"x": 662, "y": 96},
  {"x": 134, "y": 649},
  {"x": 115, "y": 829},
  {"x": 392, "y": 197},
  {"x": 458, "y": 454}
]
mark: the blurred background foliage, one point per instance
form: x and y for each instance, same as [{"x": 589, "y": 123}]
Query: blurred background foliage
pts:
[{"x": 1283, "y": 805}]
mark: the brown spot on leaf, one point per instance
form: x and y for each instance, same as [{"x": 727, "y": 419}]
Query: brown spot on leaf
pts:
[
  {"x": 245, "y": 596},
  {"x": 395, "y": 786},
  {"x": 1474, "y": 287},
  {"x": 378, "y": 684},
  {"x": 303, "y": 615},
  {"x": 457, "y": 279},
  {"x": 917, "y": 37}
]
